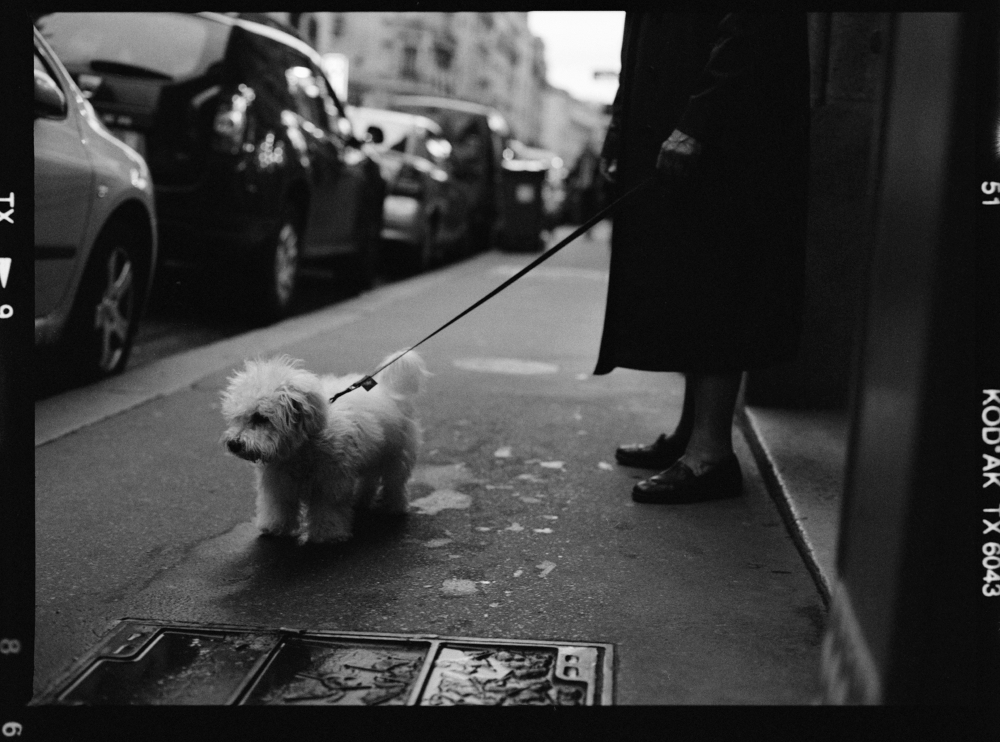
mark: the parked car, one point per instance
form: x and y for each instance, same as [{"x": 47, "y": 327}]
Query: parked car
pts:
[
  {"x": 254, "y": 161},
  {"x": 479, "y": 135},
  {"x": 95, "y": 227},
  {"x": 425, "y": 210}
]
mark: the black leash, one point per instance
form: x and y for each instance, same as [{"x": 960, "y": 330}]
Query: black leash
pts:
[{"x": 368, "y": 383}]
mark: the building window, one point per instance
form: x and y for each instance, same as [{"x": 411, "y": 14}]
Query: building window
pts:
[
  {"x": 409, "y": 69},
  {"x": 443, "y": 56}
]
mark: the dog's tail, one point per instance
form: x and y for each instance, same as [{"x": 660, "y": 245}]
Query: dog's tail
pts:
[{"x": 405, "y": 375}]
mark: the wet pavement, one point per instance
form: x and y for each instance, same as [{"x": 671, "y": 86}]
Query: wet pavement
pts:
[{"x": 521, "y": 525}]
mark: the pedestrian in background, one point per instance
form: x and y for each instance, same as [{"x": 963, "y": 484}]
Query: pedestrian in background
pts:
[
  {"x": 583, "y": 181},
  {"x": 707, "y": 267}
]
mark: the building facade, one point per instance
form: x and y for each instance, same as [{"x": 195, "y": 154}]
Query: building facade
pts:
[
  {"x": 488, "y": 58},
  {"x": 569, "y": 126}
]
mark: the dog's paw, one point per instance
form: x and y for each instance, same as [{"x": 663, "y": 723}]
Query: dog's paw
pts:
[
  {"x": 276, "y": 529},
  {"x": 323, "y": 538}
]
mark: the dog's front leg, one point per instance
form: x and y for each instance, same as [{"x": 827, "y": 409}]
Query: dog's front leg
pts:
[
  {"x": 277, "y": 503},
  {"x": 329, "y": 514}
]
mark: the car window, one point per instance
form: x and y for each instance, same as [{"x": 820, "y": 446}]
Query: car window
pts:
[
  {"x": 42, "y": 65},
  {"x": 337, "y": 122},
  {"x": 420, "y": 137},
  {"x": 395, "y": 132},
  {"x": 308, "y": 89},
  {"x": 170, "y": 45},
  {"x": 261, "y": 62}
]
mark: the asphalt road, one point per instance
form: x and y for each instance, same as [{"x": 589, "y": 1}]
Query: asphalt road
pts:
[{"x": 516, "y": 500}]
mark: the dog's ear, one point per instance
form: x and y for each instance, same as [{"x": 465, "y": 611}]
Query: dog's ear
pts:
[{"x": 310, "y": 409}]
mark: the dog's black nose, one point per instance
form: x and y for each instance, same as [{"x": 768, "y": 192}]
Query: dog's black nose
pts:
[{"x": 234, "y": 445}]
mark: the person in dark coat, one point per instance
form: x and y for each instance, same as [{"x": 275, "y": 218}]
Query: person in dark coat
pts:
[{"x": 707, "y": 265}]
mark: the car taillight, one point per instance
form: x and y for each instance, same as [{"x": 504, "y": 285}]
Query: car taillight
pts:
[{"x": 229, "y": 127}]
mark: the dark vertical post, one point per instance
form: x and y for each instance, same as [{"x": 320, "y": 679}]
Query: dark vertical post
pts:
[
  {"x": 847, "y": 73},
  {"x": 906, "y": 596}
]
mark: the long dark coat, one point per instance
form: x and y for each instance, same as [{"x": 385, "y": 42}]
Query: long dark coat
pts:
[{"x": 709, "y": 277}]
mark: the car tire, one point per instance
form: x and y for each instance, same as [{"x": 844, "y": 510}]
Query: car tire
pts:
[
  {"x": 481, "y": 238},
  {"x": 369, "y": 258},
  {"x": 105, "y": 316},
  {"x": 278, "y": 266}
]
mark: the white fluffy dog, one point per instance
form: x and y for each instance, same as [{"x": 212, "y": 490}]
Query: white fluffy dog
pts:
[{"x": 316, "y": 462}]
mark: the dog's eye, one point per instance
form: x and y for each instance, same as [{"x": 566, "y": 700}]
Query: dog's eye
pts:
[{"x": 258, "y": 419}]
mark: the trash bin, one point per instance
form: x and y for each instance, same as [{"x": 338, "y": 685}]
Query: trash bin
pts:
[{"x": 521, "y": 204}]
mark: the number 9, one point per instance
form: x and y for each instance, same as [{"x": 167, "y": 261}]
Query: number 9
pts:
[
  {"x": 991, "y": 549},
  {"x": 11, "y": 729}
]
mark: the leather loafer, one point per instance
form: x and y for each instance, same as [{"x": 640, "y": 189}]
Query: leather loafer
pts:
[
  {"x": 660, "y": 454},
  {"x": 679, "y": 484}
]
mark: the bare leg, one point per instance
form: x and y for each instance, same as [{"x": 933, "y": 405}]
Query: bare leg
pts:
[
  {"x": 686, "y": 424},
  {"x": 713, "y": 397}
]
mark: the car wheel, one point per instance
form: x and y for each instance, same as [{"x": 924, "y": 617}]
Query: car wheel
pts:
[
  {"x": 369, "y": 258},
  {"x": 106, "y": 314},
  {"x": 278, "y": 266},
  {"x": 480, "y": 236}
]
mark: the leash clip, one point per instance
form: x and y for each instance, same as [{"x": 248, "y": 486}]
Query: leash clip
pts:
[{"x": 367, "y": 383}]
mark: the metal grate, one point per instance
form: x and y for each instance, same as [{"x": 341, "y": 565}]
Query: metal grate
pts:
[{"x": 144, "y": 662}]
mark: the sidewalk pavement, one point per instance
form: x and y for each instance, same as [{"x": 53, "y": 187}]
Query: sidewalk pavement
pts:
[{"x": 139, "y": 513}]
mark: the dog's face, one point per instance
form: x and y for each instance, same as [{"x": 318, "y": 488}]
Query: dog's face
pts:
[{"x": 271, "y": 408}]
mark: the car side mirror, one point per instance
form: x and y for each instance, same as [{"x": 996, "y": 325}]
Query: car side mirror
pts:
[
  {"x": 375, "y": 135},
  {"x": 49, "y": 99}
]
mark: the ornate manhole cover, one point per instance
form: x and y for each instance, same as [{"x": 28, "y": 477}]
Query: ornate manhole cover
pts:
[{"x": 147, "y": 663}]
